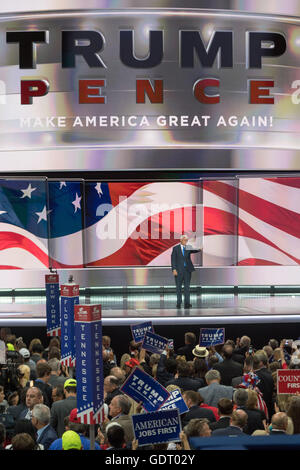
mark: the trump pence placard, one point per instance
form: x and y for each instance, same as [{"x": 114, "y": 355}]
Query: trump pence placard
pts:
[{"x": 144, "y": 389}]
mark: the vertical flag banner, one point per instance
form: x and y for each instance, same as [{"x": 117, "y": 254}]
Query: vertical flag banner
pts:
[
  {"x": 69, "y": 298},
  {"x": 89, "y": 368},
  {"x": 52, "y": 305}
]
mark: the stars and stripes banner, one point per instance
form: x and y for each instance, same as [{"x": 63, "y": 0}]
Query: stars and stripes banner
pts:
[
  {"x": 53, "y": 305},
  {"x": 69, "y": 298},
  {"x": 75, "y": 224},
  {"x": 89, "y": 365}
]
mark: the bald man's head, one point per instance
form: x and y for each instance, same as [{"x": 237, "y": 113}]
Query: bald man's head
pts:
[{"x": 280, "y": 421}]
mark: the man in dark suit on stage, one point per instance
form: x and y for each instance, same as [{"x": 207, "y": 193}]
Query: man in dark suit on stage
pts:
[{"x": 182, "y": 268}]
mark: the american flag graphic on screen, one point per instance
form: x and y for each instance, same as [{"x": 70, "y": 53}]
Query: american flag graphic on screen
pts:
[
  {"x": 245, "y": 221},
  {"x": 263, "y": 212}
]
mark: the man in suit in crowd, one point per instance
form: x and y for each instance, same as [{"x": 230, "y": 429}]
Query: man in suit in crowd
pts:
[
  {"x": 41, "y": 421},
  {"x": 266, "y": 383},
  {"x": 34, "y": 396},
  {"x": 111, "y": 388},
  {"x": 56, "y": 376},
  {"x": 243, "y": 345},
  {"x": 183, "y": 380},
  {"x": 119, "y": 409},
  {"x": 228, "y": 368},
  {"x": 182, "y": 268},
  {"x": 166, "y": 369},
  {"x": 279, "y": 423},
  {"x": 225, "y": 409},
  {"x": 254, "y": 422},
  {"x": 43, "y": 371},
  {"x": 238, "y": 422},
  {"x": 62, "y": 408},
  {"x": 214, "y": 390},
  {"x": 189, "y": 344},
  {"x": 192, "y": 401}
]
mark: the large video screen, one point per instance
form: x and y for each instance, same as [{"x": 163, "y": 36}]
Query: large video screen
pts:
[
  {"x": 138, "y": 223},
  {"x": 82, "y": 224}
]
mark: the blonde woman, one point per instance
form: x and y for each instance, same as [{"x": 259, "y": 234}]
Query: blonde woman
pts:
[{"x": 23, "y": 375}]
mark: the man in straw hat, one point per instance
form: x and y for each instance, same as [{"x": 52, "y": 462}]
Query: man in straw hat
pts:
[{"x": 200, "y": 351}]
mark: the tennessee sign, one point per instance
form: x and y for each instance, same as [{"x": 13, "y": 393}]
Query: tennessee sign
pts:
[
  {"x": 288, "y": 381},
  {"x": 160, "y": 426}
]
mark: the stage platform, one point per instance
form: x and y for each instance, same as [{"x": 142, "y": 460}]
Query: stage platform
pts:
[{"x": 125, "y": 309}]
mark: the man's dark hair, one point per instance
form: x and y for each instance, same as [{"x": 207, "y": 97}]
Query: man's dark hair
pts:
[
  {"x": 225, "y": 406},
  {"x": 37, "y": 348},
  {"x": 42, "y": 369},
  {"x": 194, "y": 396},
  {"x": 190, "y": 338},
  {"x": 211, "y": 361},
  {"x": 171, "y": 365},
  {"x": 80, "y": 428},
  {"x": 116, "y": 436},
  {"x": 273, "y": 343},
  {"x": 183, "y": 369},
  {"x": 23, "y": 441},
  {"x": 71, "y": 389},
  {"x": 25, "y": 426},
  {"x": 200, "y": 367},
  {"x": 59, "y": 390}
]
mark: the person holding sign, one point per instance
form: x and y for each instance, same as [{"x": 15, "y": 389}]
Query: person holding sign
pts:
[{"x": 182, "y": 268}]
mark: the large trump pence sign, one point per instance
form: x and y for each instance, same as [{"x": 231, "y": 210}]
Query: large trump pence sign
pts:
[{"x": 148, "y": 78}]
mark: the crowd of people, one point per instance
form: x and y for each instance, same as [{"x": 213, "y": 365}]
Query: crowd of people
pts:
[{"x": 229, "y": 390}]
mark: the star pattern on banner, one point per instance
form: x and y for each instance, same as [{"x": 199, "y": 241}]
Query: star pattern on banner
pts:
[
  {"x": 76, "y": 203},
  {"x": 27, "y": 192},
  {"x": 43, "y": 214},
  {"x": 98, "y": 189}
]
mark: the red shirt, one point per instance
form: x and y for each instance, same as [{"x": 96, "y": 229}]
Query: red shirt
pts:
[{"x": 212, "y": 408}]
